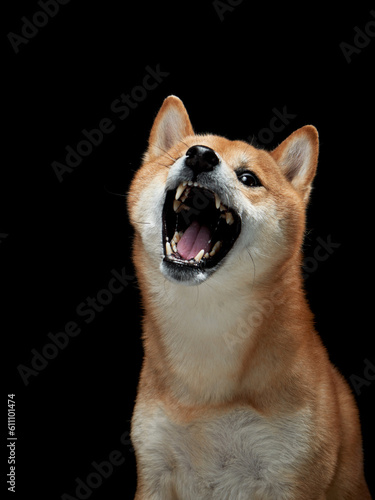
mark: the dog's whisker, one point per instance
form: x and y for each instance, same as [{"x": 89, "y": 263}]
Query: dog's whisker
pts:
[
  {"x": 252, "y": 260},
  {"x": 197, "y": 300},
  {"x": 164, "y": 150},
  {"x": 184, "y": 143},
  {"x": 162, "y": 165},
  {"x": 115, "y": 194}
]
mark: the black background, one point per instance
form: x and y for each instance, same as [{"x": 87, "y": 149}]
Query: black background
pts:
[{"x": 60, "y": 240}]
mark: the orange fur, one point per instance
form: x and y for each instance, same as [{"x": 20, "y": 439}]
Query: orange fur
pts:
[{"x": 270, "y": 362}]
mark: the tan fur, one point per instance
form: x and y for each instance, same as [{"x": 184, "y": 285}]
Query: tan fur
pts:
[{"x": 262, "y": 357}]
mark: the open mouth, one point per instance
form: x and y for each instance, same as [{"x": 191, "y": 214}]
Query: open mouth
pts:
[{"x": 198, "y": 229}]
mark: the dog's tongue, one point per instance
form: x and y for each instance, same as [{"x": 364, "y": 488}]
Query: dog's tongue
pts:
[{"x": 193, "y": 240}]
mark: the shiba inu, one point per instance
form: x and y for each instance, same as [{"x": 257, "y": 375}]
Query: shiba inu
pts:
[{"x": 237, "y": 397}]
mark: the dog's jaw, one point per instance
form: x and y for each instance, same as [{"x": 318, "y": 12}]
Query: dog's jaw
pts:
[
  {"x": 183, "y": 275},
  {"x": 198, "y": 231}
]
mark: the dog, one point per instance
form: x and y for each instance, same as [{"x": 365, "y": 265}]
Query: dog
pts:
[{"x": 237, "y": 397}]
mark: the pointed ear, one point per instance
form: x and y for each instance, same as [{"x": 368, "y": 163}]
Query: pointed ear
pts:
[
  {"x": 170, "y": 126},
  {"x": 297, "y": 157}
]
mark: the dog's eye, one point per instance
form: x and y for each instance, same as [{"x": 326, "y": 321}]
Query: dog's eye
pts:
[{"x": 248, "y": 178}]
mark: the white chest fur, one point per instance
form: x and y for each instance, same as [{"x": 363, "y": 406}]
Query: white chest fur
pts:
[
  {"x": 204, "y": 336},
  {"x": 238, "y": 455}
]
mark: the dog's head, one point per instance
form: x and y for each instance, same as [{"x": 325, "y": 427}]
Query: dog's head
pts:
[{"x": 203, "y": 203}]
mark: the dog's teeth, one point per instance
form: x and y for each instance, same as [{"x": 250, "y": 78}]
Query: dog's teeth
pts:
[
  {"x": 217, "y": 201},
  {"x": 216, "y": 248},
  {"x": 185, "y": 194},
  {"x": 176, "y": 237},
  {"x": 199, "y": 255},
  {"x": 179, "y": 191},
  {"x": 206, "y": 255},
  {"x": 190, "y": 183},
  {"x": 195, "y": 184},
  {"x": 176, "y": 204},
  {"x": 222, "y": 208},
  {"x": 229, "y": 218},
  {"x": 168, "y": 248},
  {"x": 182, "y": 207}
]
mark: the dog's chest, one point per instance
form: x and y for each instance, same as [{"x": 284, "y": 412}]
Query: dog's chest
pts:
[{"x": 238, "y": 455}]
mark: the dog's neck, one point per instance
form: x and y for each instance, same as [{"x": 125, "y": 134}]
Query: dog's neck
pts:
[{"x": 205, "y": 339}]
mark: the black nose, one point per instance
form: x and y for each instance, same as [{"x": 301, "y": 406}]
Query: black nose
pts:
[{"x": 201, "y": 159}]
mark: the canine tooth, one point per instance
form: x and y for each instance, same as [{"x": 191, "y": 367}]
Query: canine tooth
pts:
[
  {"x": 176, "y": 237},
  {"x": 168, "y": 249},
  {"x": 229, "y": 218},
  {"x": 176, "y": 204},
  {"x": 182, "y": 207},
  {"x": 217, "y": 201},
  {"x": 199, "y": 255},
  {"x": 216, "y": 248},
  {"x": 185, "y": 194},
  {"x": 179, "y": 191}
]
